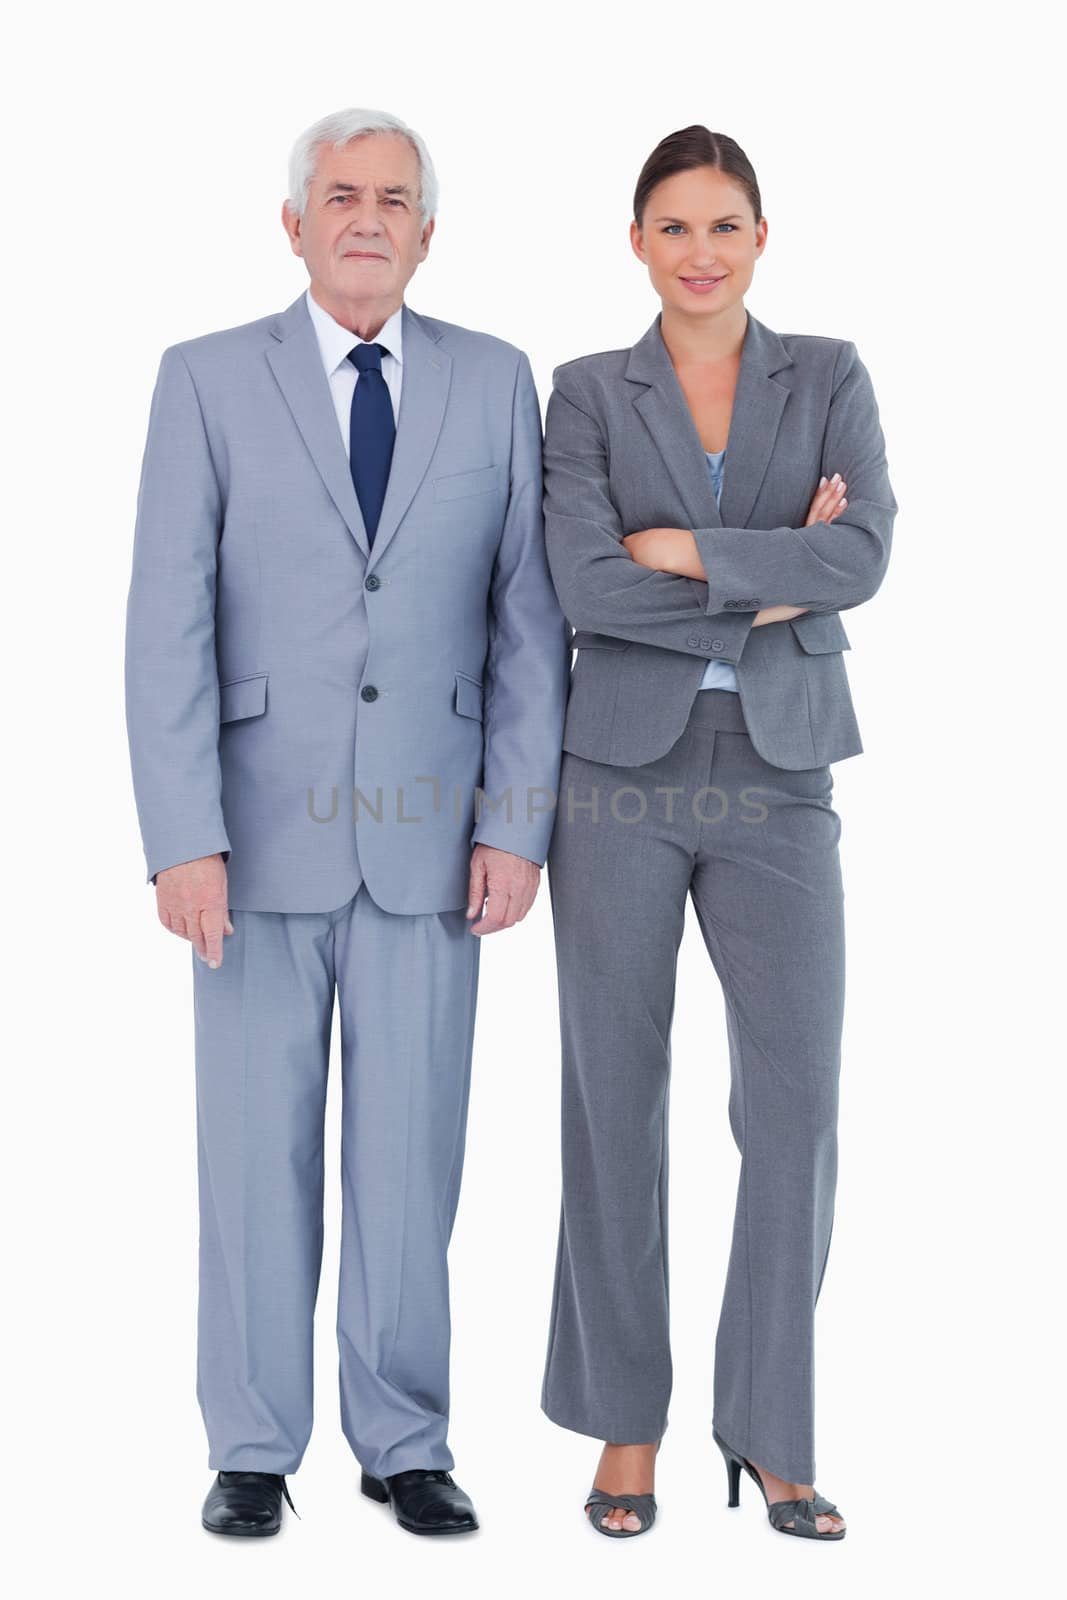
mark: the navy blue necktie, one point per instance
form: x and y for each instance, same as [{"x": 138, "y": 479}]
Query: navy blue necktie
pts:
[{"x": 371, "y": 432}]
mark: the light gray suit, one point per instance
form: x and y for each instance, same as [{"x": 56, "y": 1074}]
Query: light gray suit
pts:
[
  {"x": 258, "y": 618},
  {"x": 667, "y": 791},
  {"x": 321, "y": 712}
]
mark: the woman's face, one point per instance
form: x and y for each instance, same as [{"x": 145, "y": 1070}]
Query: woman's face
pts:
[{"x": 699, "y": 240}]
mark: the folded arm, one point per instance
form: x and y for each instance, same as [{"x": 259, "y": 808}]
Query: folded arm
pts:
[
  {"x": 826, "y": 566},
  {"x": 600, "y": 586}
]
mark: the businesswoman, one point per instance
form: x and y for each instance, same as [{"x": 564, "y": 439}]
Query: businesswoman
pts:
[{"x": 715, "y": 497}]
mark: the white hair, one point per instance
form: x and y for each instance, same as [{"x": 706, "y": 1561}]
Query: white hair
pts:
[{"x": 338, "y": 129}]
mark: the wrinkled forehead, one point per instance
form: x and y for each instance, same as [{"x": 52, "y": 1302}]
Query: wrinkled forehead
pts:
[{"x": 386, "y": 160}]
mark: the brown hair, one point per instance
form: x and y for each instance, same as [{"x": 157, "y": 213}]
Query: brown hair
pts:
[{"x": 691, "y": 147}]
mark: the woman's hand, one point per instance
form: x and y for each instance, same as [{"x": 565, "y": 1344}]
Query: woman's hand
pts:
[{"x": 828, "y": 502}]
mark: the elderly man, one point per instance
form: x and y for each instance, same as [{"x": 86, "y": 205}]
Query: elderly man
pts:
[{"x": 346, "y": 678}]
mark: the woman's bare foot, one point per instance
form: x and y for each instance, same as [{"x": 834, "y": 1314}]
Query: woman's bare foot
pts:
[
  {"x": 626, "y": 1469},
  {"x": 781, "y": 1489}
]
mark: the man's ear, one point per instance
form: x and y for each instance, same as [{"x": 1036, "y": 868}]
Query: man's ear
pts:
[{"x": 291, "y": 224}]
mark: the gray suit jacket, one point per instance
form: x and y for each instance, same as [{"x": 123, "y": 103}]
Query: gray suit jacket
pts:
[
  {"x": 622, "y": 453},
  {"x": 291, "y": 692}
]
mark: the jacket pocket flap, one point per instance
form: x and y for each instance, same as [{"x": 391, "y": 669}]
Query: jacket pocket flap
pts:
[
  {"x": 468, "y": 696},
  {"x": 597, "y": 641},
  {"x": 243, "y": 697},
  {"x": 457, "y": 484},
  {"x": 820, "y": 631}
]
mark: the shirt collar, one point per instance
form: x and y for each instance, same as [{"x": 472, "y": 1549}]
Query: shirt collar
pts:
[{"x": 335, "y": 341}]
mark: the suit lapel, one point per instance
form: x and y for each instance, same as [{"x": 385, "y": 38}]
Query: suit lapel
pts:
[
  {"x": 423, "y": 396},
  {"x": 297, "y": 365},
  {"x": 758, "y": 405}
]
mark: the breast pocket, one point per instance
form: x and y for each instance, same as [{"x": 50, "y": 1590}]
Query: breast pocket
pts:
[{"x": 458, "y": 485}]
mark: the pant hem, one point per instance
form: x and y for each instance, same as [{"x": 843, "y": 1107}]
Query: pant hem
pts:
[
  {"x": 387, "y": 1462},
  {"x": 610, "y": 1432},
  {"x": 256, "y": 1465},
  {"x": 737, "y": 1441}
]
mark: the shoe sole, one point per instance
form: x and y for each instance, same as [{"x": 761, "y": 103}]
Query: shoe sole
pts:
[
  {"x": 409, "y": 1527},
  {"x": 241, "y": 1533}
]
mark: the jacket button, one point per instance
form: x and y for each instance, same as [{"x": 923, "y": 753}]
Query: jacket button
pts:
[
  {"x": 373, "y": 582},
  {"x": 717, "y": 644},
  {"x": 368, "y": 692}
]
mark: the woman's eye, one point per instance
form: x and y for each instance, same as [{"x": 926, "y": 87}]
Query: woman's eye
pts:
[{"x": 672, "y": 225}]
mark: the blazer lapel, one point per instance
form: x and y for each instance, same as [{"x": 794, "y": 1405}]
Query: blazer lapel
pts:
[
  {"x": 423, "y": 396},
  {"x": 758, "y": 405},
  {"x": 297, "y": 365}
]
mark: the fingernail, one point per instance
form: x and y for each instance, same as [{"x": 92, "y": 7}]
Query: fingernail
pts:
[
  {"x": 212, "y": 963},
  {"x": 822, "y": 481}
]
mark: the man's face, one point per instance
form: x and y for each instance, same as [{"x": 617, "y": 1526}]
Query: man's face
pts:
[{"x": 360, "y": 235}]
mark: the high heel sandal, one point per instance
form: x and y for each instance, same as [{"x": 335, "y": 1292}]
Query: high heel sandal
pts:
[
  {"x": 801, "y": 1513},
  {"x": 599, "y": 1501}
]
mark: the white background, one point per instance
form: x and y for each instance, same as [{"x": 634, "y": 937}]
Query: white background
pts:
[{"x": 904, "y": 161}]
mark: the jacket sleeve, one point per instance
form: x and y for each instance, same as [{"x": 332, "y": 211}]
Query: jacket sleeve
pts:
[
  {"x": 599, "y": 585},
  {"x": 829, "y": 566},
  {"x": 528, "y": 663},
  {"x": 172, "y": 691}
]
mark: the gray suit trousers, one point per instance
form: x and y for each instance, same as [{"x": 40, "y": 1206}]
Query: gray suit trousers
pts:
[
  {"x": 757, "y": 848},
  {"x": 406, "y": 987}
]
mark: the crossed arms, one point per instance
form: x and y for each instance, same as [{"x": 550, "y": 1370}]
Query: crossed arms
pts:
[{"x": 818, "y": 568}]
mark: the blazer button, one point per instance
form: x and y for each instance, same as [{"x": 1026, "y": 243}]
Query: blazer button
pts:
[
  {"x": 368, "y": 692},
  {"x": 373, "y": 582},
  {"x": 717, "y": 644}
]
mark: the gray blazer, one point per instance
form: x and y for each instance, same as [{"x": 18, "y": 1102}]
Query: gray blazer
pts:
[
  {"x": 622, "y": 453},
  {"x": 282, "y": 678}
]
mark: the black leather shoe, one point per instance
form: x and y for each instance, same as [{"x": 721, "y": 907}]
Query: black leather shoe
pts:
[
  {"x": 248, "y": 1503},
  {"x": 423, "y": 1500}
]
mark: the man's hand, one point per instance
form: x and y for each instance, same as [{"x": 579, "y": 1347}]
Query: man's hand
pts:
[
  {"x": 192, "y": 902},
  {"x": 508, "y": 882}
]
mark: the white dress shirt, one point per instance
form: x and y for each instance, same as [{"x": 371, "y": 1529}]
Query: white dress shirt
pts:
[{"x": 334, "y": 344}]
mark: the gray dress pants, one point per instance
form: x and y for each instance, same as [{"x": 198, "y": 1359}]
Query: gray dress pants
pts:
[
  {"x": 757, "y": 848},
  {"x": 406, "y": 989}
]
